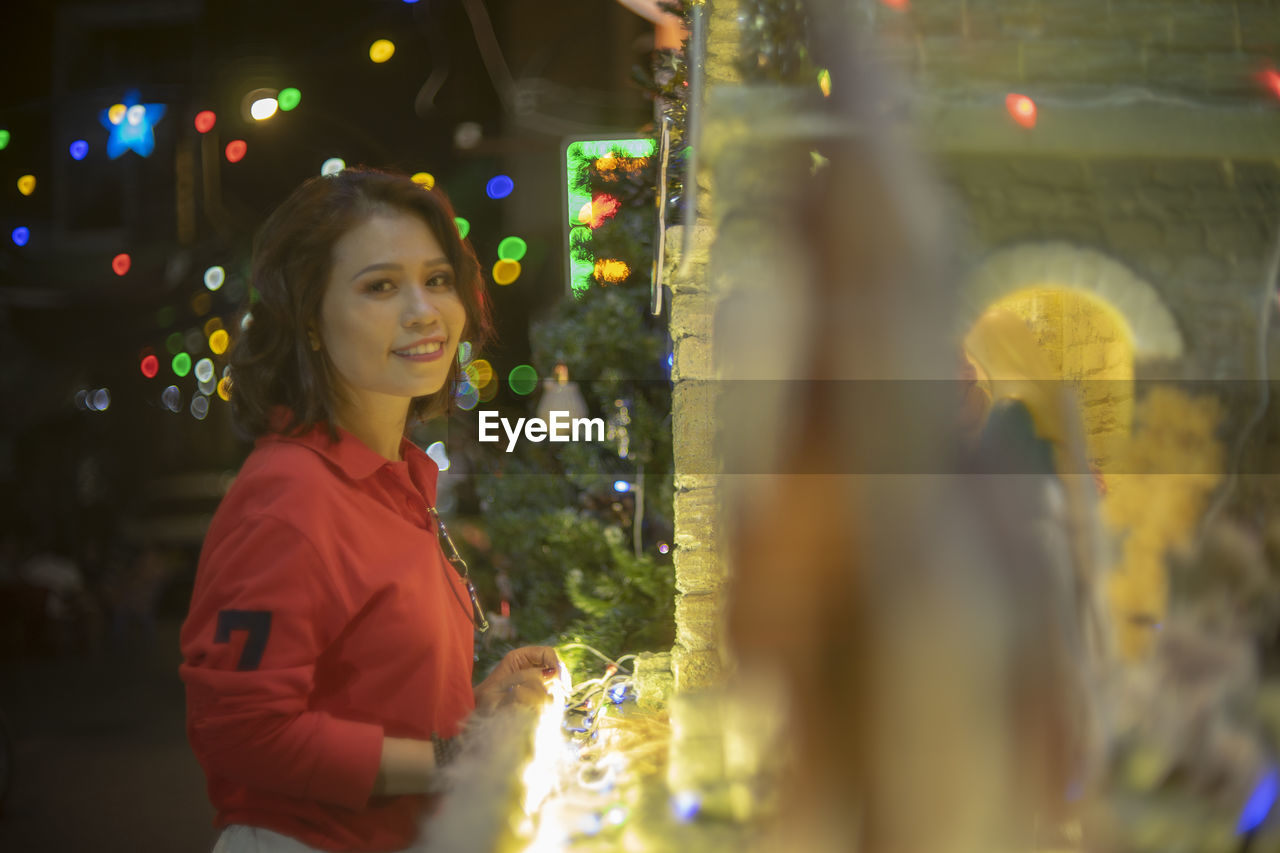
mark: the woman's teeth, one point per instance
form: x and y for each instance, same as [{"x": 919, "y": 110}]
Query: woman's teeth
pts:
[{"x": 421, "y": 349}]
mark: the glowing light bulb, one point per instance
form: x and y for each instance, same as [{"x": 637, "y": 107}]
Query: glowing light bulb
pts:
[
  {"x": 464, "y": 227},
  {"x": 1022, "y": 108},
  {"x": 896, "y": 4},
  {"x": 332, "y": 166},
  {"x": 512, "y": 249},
  {"x": 505, "y": 272},
  {"x": 120, "y": 263},
  {"x": 204, "y": 370},
  {"x": 289, "y": 98},
  {"x": 611, "y": 270},
  {"x": 214, "y": 277},
  {"x": 27, "y": 184},
  {"x": 263, "y": 108},
  {"x": 21, "y": 235},
  {"x": 205, "y": 120},
  {"x": 181, "y": 364},
  {"x": 621, "y": 486},
  {"x": 522, "y": 379},
  {"x": 381, "y": 50},
  {"x": 79, "y": 149},
  {"x": 1269, "y": 77},
  {"x": 218, "y": 341},
  {"x": 150, "y": 366},
  {"x": 824, "y": 82},
  {"x": 235, "y": 150},
  {"x": 664, "y": 548},
  {"x": 424, "y": 179},
  {"x": 499, "y": 186},
  {"x": 601, "y": 208}
]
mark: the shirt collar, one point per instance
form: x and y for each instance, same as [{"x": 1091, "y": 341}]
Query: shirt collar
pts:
[{"x": 355, "y": 458}]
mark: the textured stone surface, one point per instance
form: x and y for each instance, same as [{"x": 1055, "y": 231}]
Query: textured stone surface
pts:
[
  {"x": 698, "y": 621},
  {"x": 694, "y": 669},
  {"x": 654, "y": 680}
]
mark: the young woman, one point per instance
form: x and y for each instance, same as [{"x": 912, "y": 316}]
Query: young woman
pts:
[{"x": 328, "y": 649}]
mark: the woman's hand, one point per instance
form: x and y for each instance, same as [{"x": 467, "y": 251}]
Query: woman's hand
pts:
[{"x": 521, "y": 678}]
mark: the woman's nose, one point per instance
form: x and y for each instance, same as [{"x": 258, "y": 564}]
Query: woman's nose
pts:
[{"x": 420, "y": 308}]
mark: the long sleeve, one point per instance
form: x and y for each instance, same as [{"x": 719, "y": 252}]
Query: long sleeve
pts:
[{"x": 264, "y": 609}]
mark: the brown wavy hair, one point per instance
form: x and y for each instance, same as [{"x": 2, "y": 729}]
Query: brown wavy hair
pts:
[{"x": 272, "y": 362}]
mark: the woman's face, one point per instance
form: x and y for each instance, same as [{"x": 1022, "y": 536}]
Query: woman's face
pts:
[{"x": 391, "y": 317}]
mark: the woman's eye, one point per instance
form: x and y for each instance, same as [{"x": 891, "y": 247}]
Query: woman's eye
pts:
[
  {"x": 381, "y": 286},
  {"x": 440, "y": 280}
]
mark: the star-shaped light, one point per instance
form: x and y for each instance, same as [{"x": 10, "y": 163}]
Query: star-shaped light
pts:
[{"x": 130, "y": 125}]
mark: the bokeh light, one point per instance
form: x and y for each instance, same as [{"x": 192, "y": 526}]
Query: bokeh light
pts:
[
  {"x": 192, "y": 340},
  {"x": 218, "y": 342},
  {"x": 824, "y": 82},
  {"x": 79, "y": 149},
  {"x": 207, "y": 386},
  {"x": 204, "y": 369},
  {"x": 438, "y": 455},
  {"x": 181, "y": 364},
  {"x": 212, "y": 325},
  {"x": 205, "y": 120},
  {"x": 214, "y": 277},
  {"x": 171, "y": 397},
  {"x": 21, "y": 235},
  {"x": 464, "y": 227},
  {"x": 120, "y": 263},
  {"x": 621, "y": 486},
  {"x": 263, "y": 108},
  {"x": 488, "y": 392},
  {"x": 4, "y": 139},
  {"x": 381, "y": 50},
  {"x": 81, "y": 399},
  {"x": 512, "y": 249},
  {"x": 1270, "y": 78},
  {"x": 522, "y": 379},
  {"x": 150, "y": 366},
  {"x": 686, "y": 804},
  {"x": 332, "y": 166},
  {"x": 601, "y": 208},
  {"x": 464, "y": 352},
  {"x": 425, "y": 179},
  {"x": 468, "y": 396},
  {"x": 1022, "y": 108},
  {"x": 499, "y": 186},
  {"x": 235, "y": 150},
  {"x": 101, "y": 400},
  {"x": 173, "y": 343},
  {"x": 224, "y": 388},
  {"x": 663, "y": 548},
  {"x": 202, "y": 303},
  {"x": 505, "y": 272},
  {"x": 199, "y": 407},
  {"x": 483, "y": 372},
  {"x": 115, "y": 113},
  {"x": 27, "y": 184},
  {"x": 289, "y": 98}
]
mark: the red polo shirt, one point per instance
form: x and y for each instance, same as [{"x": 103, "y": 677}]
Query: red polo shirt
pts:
[{"x": 324, "y": 618}]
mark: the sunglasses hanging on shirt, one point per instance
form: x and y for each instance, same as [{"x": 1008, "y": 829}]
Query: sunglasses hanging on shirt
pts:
[{"x": 460, "y": 566}]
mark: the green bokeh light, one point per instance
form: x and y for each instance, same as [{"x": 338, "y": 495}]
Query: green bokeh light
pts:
[
  {"x": 4, "y": 139},
  {"x": 464, "y": 227},
  {"x": 288, "y": 98},
  {"x": 173, "y": 343},
  {"x": 181, "y": 364},
  {"x": 523, "y": 379},
  {"x": 512, "y": 249}
]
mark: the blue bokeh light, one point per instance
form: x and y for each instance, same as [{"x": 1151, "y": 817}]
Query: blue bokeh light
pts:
[
  {"x": 499, "y": 186},
  {"x": 21, "y": 235},
  {"x": 79, "y": 149},
  {"x": 1259, "y": 805}
]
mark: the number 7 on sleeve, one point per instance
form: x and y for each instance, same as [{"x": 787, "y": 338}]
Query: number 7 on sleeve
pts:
[{"x": 256, "y": 622}]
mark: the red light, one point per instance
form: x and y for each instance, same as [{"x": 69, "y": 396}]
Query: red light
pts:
[
  {"x": 150, "y": 366},
  {"x": 895, "y": 4},
  {"x": 236, "y": 149},
  {"x": 120, "y": 263},
  {"x": 1271, "y": 79},
  {"x": 594, "y": 213},
  {"x": 1022, "y": 108},
  {"x": 205, "y": 119}
]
